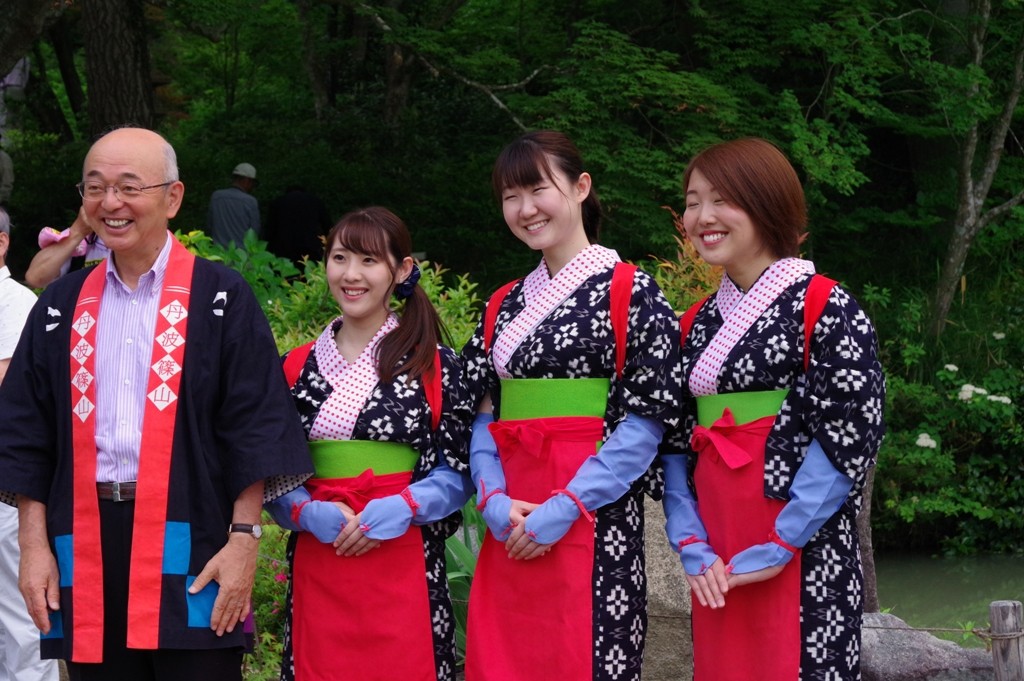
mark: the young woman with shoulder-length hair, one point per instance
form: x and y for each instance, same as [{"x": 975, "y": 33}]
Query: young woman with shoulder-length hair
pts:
[
  {"x": 785, "y": 423},
  {"x": 386, "y": 414},
  {"x": 579, "y": 353}
]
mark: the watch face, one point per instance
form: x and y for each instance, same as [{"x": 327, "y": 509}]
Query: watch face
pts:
[{"x": 257, "y": 531}]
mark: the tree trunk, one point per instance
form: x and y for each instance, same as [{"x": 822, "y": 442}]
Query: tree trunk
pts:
[
  {"x": 399, "y": 79},
  {"x": 951, "y": 274},
  {"x": 64, "y": 50},
  {"x": 117, "y": 64},
  {"x": 42, "y": 102},
  {"x": 398, "y": 64},
  {"x": 23, "y": 22},
  {"x": 977, "y": 167},
  {"x": 867, "y": 551}
]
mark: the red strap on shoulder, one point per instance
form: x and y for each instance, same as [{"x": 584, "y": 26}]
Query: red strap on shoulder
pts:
[
  {"x": 491, "y": 312},
  {"x": 432, "y": 388},
  {"x": 686, "y": 321},
  {"x": 815, "y": 300},
  {"x": 620, "y": 294},
  {"x": 294, "y": 362}
]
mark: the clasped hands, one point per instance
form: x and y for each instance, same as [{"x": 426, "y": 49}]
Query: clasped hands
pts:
[
  {"x": 336, "y": 523},
  {"x": 529, "y": 530},
  {"x": 715, "y": 581}
]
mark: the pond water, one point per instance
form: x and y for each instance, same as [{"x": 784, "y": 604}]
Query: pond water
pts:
[{"x": 952, "y": 593}]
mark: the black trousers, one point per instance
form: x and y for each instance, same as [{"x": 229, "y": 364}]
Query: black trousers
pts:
[{"x": 119, "y": 662}]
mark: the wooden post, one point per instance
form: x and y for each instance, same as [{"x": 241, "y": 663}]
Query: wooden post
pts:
[{"x": 1007, "y": 640}]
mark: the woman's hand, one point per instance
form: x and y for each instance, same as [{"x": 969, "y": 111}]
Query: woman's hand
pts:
[
  {"x": 352, "y": 541},
  {"x": 757, "y": 576},
  {"x": 519, "y": 545},
  {"x": 710, "y": 588}
]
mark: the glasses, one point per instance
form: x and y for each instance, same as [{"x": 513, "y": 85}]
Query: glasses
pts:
[{"x": 125, "y": 191}]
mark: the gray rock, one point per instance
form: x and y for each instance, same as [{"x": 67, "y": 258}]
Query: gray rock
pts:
[
  {"x": 668, "y": 655},
  {"x": 892, "y": 651}
]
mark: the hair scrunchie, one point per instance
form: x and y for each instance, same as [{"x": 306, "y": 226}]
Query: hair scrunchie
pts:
[{"x": 404, "y": 290}]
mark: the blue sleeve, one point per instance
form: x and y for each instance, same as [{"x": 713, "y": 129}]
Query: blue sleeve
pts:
[
  {"x": 818, "y": 491},
  {"x": 443, "y": 492},
  {"x": 683, "y": 525},
  {"x": 628, "y": 453},
  {"x": 601, "y": 479},
  {"x": 484, "y": 464}
]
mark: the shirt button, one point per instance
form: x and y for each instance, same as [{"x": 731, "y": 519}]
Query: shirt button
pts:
[
  {"x": 128, "y": 341},
  {"x": 126, "y": 381},
  {"x": 135, "y": 302}
]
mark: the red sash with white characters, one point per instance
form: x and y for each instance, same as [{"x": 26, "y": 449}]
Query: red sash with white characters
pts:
[{"x": 145, "y": 584}]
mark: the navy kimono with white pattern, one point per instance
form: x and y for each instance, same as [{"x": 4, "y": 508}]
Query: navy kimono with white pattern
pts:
[
  {"x": 398, "y": 412},
  {"x": 576, "y": 341},
  {"x": 839, "y": 402}
]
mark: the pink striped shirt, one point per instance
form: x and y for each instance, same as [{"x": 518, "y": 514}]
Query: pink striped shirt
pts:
[{"x": 124, "y": 351}]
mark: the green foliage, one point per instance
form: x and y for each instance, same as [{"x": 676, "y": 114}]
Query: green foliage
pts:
[
  {"x": 305, "y": 309},
  {"x": 949, "y": 473},
  {"x": 265, "y": 272},
  {"x": 685, "y": 279},
  {"x": 903, "y": 347},
  {"x": 460, "y": 554},
  {"x": 268, "y": 598},
  {"x": 637, "y": 119},
  {"x": 457, "y": 305}
]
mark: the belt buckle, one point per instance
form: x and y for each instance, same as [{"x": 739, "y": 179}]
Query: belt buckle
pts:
[{"x": 115, "y": 491}]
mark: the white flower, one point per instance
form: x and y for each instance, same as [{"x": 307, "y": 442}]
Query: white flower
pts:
[
  {"x": 926, "y": 440},
  {"x": 967, "y": 391},
  {"x": 952, "y": 368},
  {"x": 1000, "y": 398},
  {"x": 998, "y": 335}
]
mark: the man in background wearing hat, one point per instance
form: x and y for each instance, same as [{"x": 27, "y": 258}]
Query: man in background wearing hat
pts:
[{"x": 234, "y": 211}]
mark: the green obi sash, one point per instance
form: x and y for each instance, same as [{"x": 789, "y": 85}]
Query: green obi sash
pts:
[
  {"x": 745, "y": 407},
  {"x": 349, "y": 458},
  {"x": 535, "y": 398}
]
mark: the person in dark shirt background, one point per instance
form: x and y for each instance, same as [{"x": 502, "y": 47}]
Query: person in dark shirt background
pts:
[{"x": 296, "y": 224}]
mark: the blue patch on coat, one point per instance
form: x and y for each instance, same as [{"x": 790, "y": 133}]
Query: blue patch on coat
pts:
[
  {"x": 56, "y": 625},
  {"x": 64, "y": 545},
  {"x": 177, "y": 548},
  {"x": 200, "y": 605}
]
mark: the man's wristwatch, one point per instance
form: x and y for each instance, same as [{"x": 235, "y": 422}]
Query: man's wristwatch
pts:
[{"x": 254, "y": 531}]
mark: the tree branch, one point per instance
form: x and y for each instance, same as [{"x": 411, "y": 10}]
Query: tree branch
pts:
[
  {"x": 488, "y": 90},
  {"x": 997, "y": 141},
  {"x": 1000, "y": 210}
]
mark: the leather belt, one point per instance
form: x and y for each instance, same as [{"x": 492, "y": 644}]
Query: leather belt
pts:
[{"x": 116, "y": 491}]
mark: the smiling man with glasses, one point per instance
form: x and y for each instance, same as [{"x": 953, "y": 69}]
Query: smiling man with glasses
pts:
[{"x": 151, "y": 409}]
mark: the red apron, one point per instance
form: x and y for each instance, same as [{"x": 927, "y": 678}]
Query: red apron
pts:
[
  {"x": 361, "y": 618},
  {"x": 532, "y": 619},
  {"x": 757, "y": 634}
]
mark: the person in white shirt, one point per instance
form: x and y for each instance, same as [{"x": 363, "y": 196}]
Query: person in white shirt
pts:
[{"x": 19, "y": 637}]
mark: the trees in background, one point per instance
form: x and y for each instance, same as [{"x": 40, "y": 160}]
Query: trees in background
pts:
[{"x": 904, "y": 120}]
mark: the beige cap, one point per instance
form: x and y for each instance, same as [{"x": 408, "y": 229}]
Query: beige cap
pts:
[{"x": 245, "y": 170}]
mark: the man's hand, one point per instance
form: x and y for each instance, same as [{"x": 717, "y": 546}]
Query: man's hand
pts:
[
  {"x": 38, "y": 576},
  {"x": 234, "y": 570},
  {"x": 234, "y": 566},
  {"x": 39, "y": 582}
]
